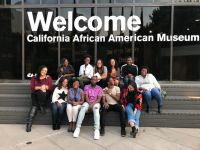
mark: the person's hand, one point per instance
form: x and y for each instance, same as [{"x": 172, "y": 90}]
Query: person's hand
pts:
[
  {"x": 61, "y": 70},
  {"x": 107, "y": 91},
  {"x": 43, "y": 88},
  {"x": 130, "y": 75},
  {"x": 59, "y": 104},
  {"x": 106, "y": 105},
  {"x": 135, "y": 111},
  {"x": 74, "y": 103}
]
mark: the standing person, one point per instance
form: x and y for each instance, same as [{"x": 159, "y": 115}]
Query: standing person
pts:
[
  {"x": 101, "y": 72},
  {"x": 41, "y": 87},
  {"x": 66, "y": 70},
  {"x": 58, "y": 103},
  {"x": 111, "y": 99},
  {"x": 129, "y": 71},
  {"x": 75, "y": 100},
  {"x": 133, "y": 107},
  {"x": 150, "y": 87},
  {"x": 93, "y": 95},
  {"x": 85, "y": 72},
  {"x": 114, "y": 71}
]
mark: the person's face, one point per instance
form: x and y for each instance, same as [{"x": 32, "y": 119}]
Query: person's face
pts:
[
  {"x": 112, "y": 62},
  {"x": 129, "y": 61},
  {"x": 99, "y": 64},
  {"x": 130, "y": 88},
  {"x": 65, "y": 82},
  {"x": 144, "y": 72},
  {"x": 111, "y": 81},
  {"x": 93, "y": 81},
  {"x": 66, "y": 63},
  {"x": 76, "y": 85},
  {"x": 87, "y": 60},
  {"x": 43, "y": 71}
]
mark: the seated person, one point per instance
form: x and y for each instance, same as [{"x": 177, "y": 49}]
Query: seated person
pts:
[
  {"x": 41, "y": 87},
  {"x": 133, "y": 106},
  {"x": 93, "y": 95},
  {"x": 58, "y": 103},
  {"x": 101, "y": 72},
  {"x": 85, "y": 72},
  {"x": 110, "y": 102},
  {"x": 66, "y": 70},
  {"x": 150, "y": 87},
  {"x": 114, "y": 71},
  {"x": 75, "y": 100},
  {"x": 129, "y": 71}
]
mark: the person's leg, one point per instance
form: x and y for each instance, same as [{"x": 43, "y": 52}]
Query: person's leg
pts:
[
  {"x": 32, "y": 112},
  {"x": 41, "y": 97},
  {"x": 96, "y": 114},
  {"x": 69, "y": 116},
  {"x": 81, "y": 116},
  {"x": 147, "y": 97},
  {"x": 61, "y": 110},
  {"x": 75, "y": 111},
  {"x": 129, "y": 112},
  {"x": 54, "y": 110},
  {"x": 156, "y": 94},
  {"x": 118, "y": 108},
  {"x": 137, "y": 119},
  {"x": 103, "y": 113}
]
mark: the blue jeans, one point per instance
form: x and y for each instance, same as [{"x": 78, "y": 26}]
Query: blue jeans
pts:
[
  {"x": 128, "y": 80},
  {"x": 131, "y": 116},
  {"x": 57, "y": 112},
  {"x": 154, "y": 93}
]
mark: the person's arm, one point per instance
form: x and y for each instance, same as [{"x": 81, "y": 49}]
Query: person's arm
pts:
[
  {"x": 49, "y": 83},
  {"x": 105, "y": 73},
  {"x": 122, "y": 71},
  {"x": 55, "y": 96},
  {"x": 91, "y": 72},
  {"x": 86, "y": 94},
  {"x": 82, "y": 98},
  {"x": 81, "y": 71},
  {"x": 34, "y": 87},
  {"x": 155, "y": 82},
  {"x": 72, "y": 71},
  {"x": 68, "y": 98}
]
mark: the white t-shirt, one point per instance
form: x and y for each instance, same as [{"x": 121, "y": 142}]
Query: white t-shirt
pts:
[
  {"x": 115, "y": 90},
  {"x": 149, "y": 82},
  {"x": 86, "y": 70}
]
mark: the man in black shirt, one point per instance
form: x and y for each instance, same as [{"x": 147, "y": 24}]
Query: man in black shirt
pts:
[{"x": 129, "y": 71}]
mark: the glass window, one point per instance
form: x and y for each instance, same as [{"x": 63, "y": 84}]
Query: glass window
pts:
[
  {"x": 40, "y": 53},
  {"x": 86, "y": 1},
  {"x": 32, "y": 1},
  {"x": 124, "y": 1},
  {"x": 14, "y": 2},
  {"x": 186, "y": 55},
  {"x": 105, "y": 1},
  {"x": 49, "y": 1},
  {"x": 11, "y": 43},
  {"x": 118, "y": 50},
  {"x": 154, "y": 54},
  {"x": 75, "y": 51},
  {"x": 1, "y": 2},
  {"x": 67, "y": 1}
]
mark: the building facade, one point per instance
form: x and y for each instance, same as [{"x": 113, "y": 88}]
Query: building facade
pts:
[{"x": 168, "y": 61}]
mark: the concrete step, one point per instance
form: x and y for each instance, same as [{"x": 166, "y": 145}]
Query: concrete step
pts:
[
  {"x": 171, "y": 89},
  {"x": 170, "y": 102},
  {"x": 168, "y": 118}
]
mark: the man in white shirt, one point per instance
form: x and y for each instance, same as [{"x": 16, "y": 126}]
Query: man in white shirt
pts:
[
  {"x": 150, "y": 87},
  {"x": 85, "y": 72}
]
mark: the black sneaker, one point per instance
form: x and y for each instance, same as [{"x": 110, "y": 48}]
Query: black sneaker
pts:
[
  {"x": 102, "y": 131},
  {"x": 134, "y": 132},
  {"x": 54, "y": 127},
  {"x": 147, "y": 109},
  {"x": 58, "y": 127},
  {"x": 123, "y": 132},
  {"x": 159, "y": 110}
]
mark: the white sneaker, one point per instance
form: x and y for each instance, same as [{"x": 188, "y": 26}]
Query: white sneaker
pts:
[
  {"x": 76, "y": 133},
  {"x": 96, "y": 134}
]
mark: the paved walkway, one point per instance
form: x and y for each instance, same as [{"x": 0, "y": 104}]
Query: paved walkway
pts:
[{"x": 14, "y": 137}]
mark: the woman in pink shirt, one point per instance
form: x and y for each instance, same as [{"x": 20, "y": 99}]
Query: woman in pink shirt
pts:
[{"x": 41, "y": 87}]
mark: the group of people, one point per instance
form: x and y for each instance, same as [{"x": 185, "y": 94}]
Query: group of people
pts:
[{"x": 98, "y": 89}]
